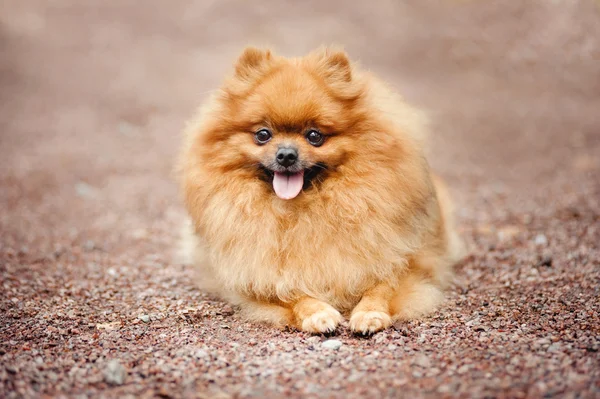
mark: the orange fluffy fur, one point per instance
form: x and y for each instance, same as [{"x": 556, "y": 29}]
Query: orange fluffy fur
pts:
[{"x": 371, "y": 238}]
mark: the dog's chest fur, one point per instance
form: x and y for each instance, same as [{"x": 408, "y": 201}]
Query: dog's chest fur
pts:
[{"x": 327, "y": 252}]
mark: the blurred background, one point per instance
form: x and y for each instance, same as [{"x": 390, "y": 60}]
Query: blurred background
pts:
[{"x": 94, "y": 95}]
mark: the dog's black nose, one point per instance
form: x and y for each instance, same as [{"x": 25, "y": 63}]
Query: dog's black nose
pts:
[{"x": 286, "y": 156}]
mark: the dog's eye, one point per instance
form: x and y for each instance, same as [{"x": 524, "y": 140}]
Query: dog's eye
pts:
[
  {"x": 262, "y": 136},
  {"x": 315, "y": 138}
]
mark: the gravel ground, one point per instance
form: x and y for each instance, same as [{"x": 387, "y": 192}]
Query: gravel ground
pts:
[{"x": 93, "y": 98}]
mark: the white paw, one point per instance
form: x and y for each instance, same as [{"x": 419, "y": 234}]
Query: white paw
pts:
[
  {"x": 323, "y": 321},
  {"x": 369, "y": 322}
]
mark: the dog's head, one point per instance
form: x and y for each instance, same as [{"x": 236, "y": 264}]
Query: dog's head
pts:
[{"x": 294, "y": 122}]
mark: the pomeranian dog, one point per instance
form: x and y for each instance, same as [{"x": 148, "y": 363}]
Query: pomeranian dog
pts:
[{"x": 311, "y": 199}]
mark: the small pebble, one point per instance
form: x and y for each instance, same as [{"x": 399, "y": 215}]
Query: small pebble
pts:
[
  {"x": 541, "y": 240},
  {"x": 227, "y": 310},
  {"x": 139, "y": 233},
  {"x": 201, "y": 354},
  {"x": 145, "y": 318},
  {"x": 463, "y": 369},
  {"x": 422, "y": 361},
  {"x": 85, "y": 190},
  {"x": 114, "y": 373},
  {"x": 554, "y": 347},
  {"x": 313, "y": 342},
  {"x": 333, "y": 344}
]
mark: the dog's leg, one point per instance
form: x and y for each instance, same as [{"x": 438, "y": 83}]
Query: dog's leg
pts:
[
  {"x": 373, "y": 311},
  {"x": 307, "y": 314},
  {"x": 315, "y": 316},
  {"x": 273, "y": 314},
  {"x": 415, "y": 297}
]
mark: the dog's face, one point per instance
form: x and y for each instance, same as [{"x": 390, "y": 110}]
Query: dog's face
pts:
[
  {"x": 293, "y": 129},
  {"x": 288, "y": 122}
]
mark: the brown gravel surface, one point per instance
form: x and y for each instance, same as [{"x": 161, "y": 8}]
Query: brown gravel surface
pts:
[{"x": 92, "y": 99}]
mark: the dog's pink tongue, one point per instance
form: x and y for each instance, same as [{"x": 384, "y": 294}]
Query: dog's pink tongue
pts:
[{"x": 288, "y": 186}]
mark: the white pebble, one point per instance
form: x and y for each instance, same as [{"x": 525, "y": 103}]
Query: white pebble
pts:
[
  {"x": 200, "y": 354},
  {"x": 115, "y": 373},
  {"x": 541, "y": 240},
  {"x": 332, "y": 344}
]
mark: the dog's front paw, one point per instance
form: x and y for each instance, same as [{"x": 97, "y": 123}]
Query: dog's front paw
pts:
[
  {"x": 322, "y": 321},
  {"x": 369, "y": 322}
]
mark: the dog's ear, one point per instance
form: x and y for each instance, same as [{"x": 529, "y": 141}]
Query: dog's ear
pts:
[
  {"x": 333, "y": 64},
  {"x": 252, "y": 63},
  {"x": 335, "y": 68}
]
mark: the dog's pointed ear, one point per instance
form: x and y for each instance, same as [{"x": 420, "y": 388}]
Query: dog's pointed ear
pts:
[
  {"x": 333, "y": 64},
  {"x": 252, "y": 62},
  {"x": 336, "y": 70}
]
